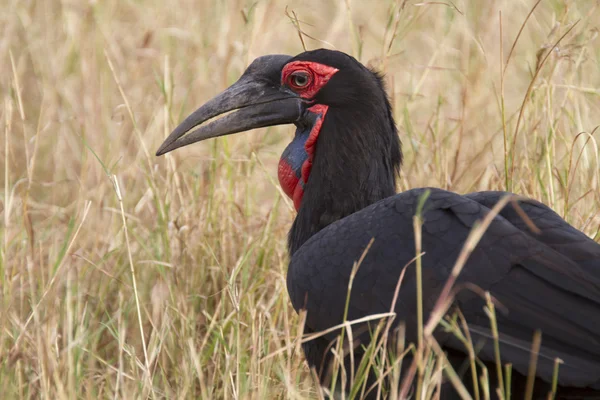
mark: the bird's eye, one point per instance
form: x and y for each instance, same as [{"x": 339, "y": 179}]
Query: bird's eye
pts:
[{"x": 299, "y": 79}]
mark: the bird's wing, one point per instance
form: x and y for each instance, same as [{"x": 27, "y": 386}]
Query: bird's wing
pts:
[
  {"x": 549, "y": 282},
  {"x": 553, "y": 230}
]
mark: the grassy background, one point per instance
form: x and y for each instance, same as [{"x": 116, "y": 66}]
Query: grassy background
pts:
[{"x": 91, "y": 88}]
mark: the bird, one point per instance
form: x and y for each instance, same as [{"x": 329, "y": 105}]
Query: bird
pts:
[{"x": 352, "y": 227}]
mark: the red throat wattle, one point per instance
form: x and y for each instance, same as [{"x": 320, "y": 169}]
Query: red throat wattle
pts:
[
  {"x": 309, "y": 146},
  {"x": 294, "y": 169}
]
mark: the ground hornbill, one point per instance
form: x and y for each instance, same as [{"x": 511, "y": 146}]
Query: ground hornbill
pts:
[{"x": 340, "y": 170}]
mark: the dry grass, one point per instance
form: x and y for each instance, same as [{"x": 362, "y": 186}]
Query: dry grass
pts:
[{"x": 130, "y": 276}]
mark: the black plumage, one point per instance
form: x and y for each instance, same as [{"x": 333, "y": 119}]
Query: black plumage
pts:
[{"x": 547, "y": 280}]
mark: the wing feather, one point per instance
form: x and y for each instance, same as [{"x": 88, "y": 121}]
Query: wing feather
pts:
[{"x": 548, "y": 281}]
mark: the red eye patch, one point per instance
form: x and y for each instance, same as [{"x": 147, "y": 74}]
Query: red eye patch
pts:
[{"x": 316, "y": 75}]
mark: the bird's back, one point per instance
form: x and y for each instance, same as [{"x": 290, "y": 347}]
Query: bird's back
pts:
[{"x": 548, "y": 281}]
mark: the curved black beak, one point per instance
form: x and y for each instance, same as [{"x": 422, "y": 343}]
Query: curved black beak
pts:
[{"x": 259, "y": 99}]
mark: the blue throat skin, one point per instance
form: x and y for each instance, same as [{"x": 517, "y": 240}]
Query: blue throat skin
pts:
[{"x": 295, "y": 153}]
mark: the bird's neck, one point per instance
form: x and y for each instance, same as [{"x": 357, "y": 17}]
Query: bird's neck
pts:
[{"x": 356, "y": 161}]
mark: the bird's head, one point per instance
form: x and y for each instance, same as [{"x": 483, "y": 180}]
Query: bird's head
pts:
[{"x": 301, "y": 90}]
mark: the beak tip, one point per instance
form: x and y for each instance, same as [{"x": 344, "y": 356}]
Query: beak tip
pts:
[{"x": 163, "y": 149}]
